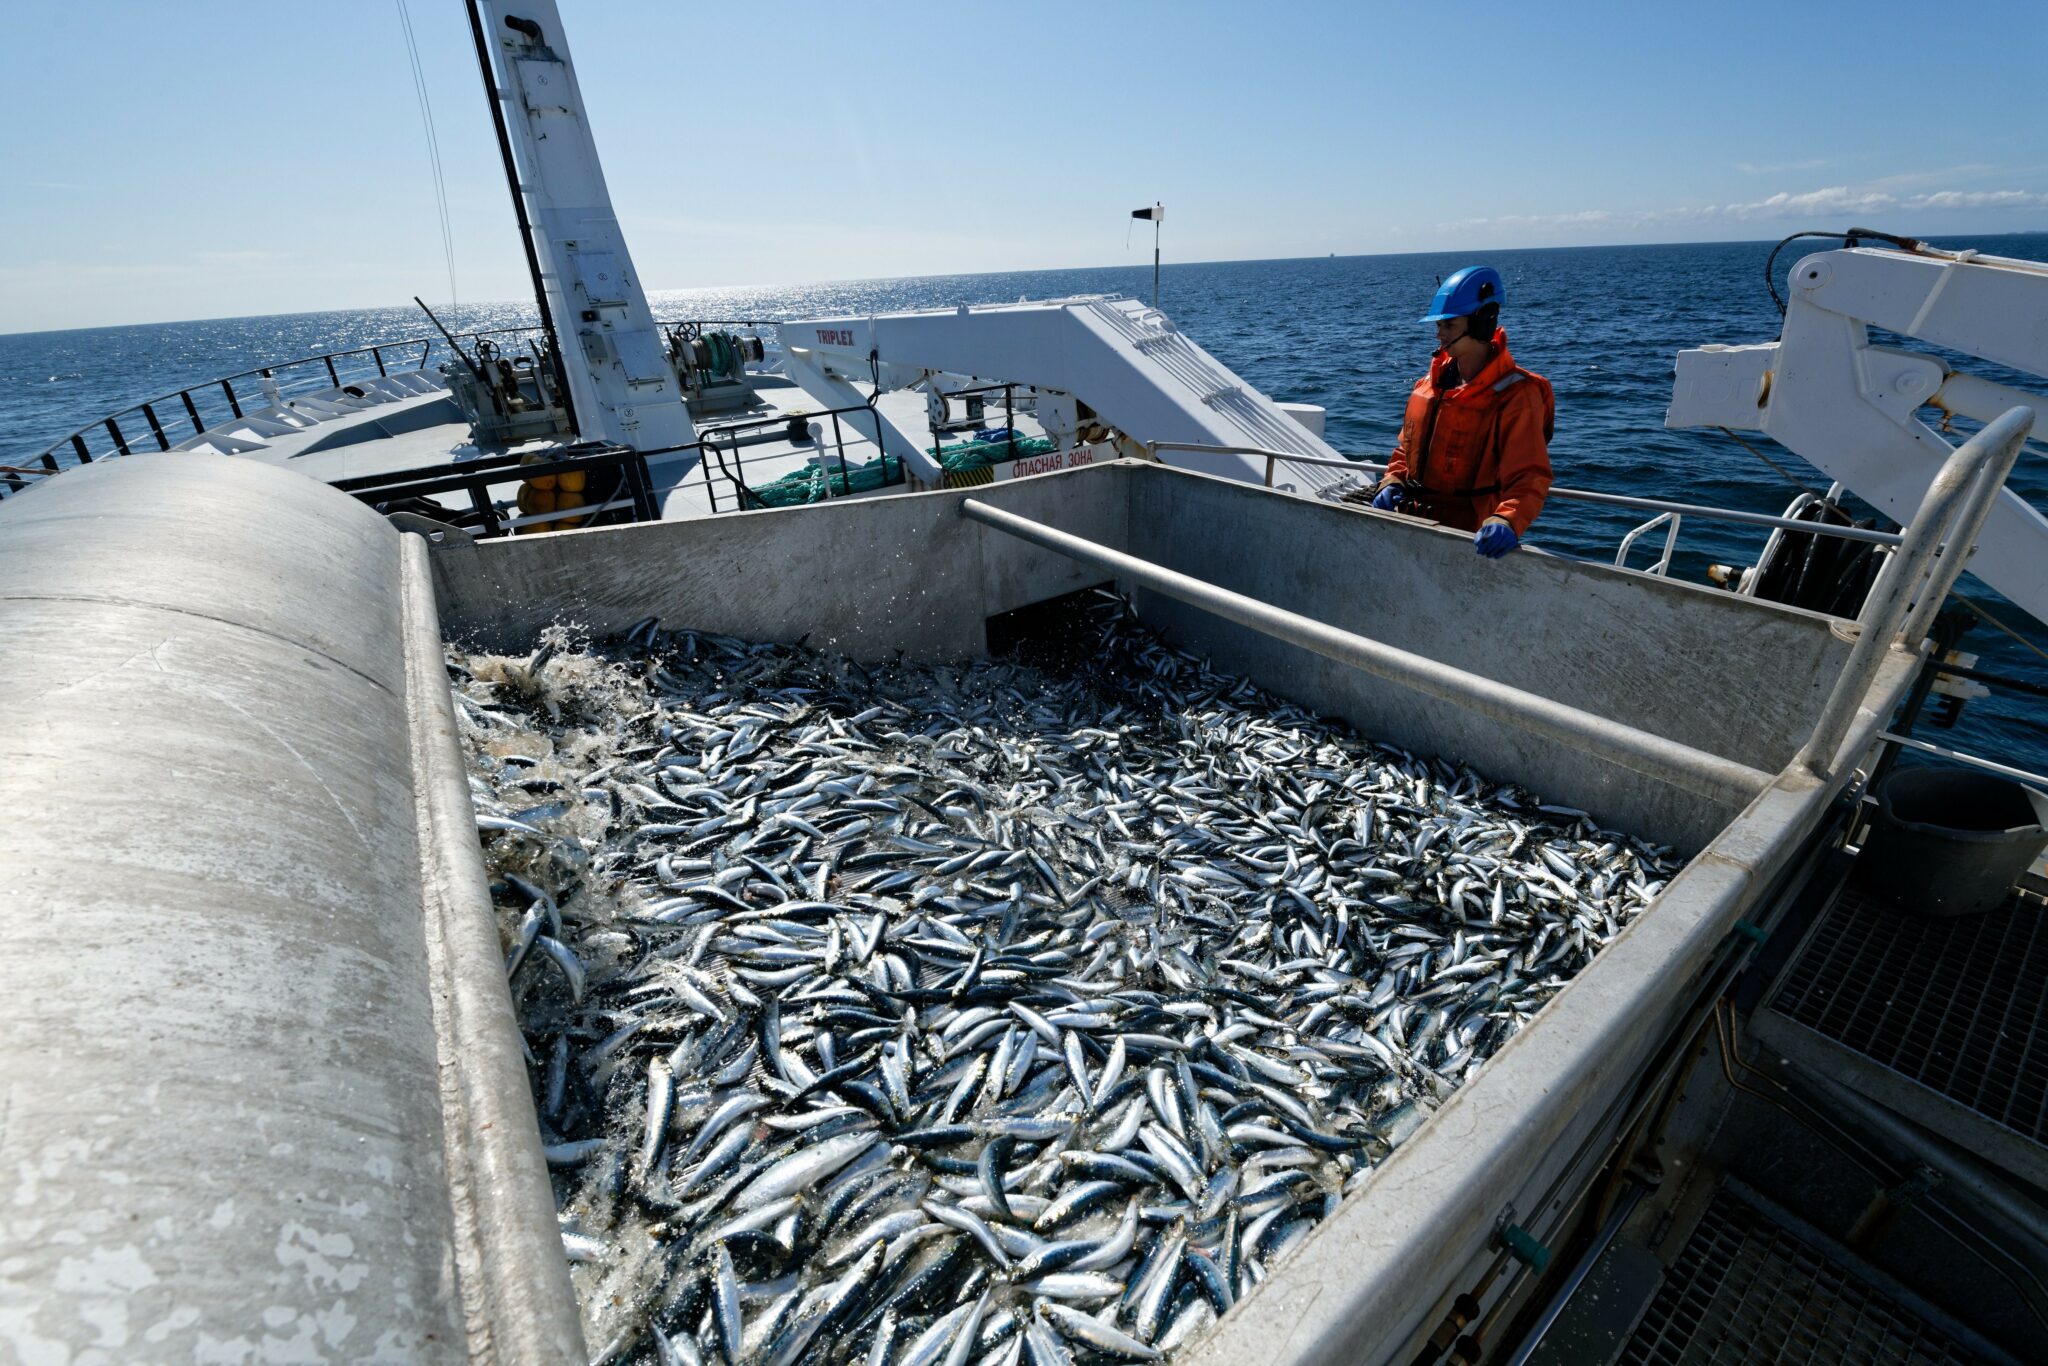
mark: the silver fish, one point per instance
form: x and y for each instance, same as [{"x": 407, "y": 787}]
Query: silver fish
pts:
[{"x": 893, "y": 988}]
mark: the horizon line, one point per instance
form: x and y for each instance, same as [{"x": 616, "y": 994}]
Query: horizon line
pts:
[{"x": 981, "y": 274}]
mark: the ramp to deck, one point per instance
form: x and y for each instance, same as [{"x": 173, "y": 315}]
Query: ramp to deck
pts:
[
  {"x": 1941, "y": 1020},
  {"x": 1128, "y": 362}
]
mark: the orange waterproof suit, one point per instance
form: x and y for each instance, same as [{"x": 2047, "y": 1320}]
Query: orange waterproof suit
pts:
[{"x": 1472, "y": 451}]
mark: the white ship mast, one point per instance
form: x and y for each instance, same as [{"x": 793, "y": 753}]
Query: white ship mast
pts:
[{"x": 612, "y": 357}]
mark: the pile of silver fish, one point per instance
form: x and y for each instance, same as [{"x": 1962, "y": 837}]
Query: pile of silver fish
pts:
[{"x": 931, "y": 1015}]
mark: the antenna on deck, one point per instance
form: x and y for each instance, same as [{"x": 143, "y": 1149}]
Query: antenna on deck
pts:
[{"x": 1157, "y": 213}]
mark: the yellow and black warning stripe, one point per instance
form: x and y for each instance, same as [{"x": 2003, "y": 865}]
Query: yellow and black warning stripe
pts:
[{"x": 967, "y": 479}]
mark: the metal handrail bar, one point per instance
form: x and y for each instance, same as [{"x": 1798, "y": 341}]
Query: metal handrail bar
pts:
[
  {"x": 708, "y": 441},
  {"x": 1663, "y": 564},
  {"x": 510, "y": 461},
  {"x": 1944, "y": 752},
  {"x": 76, "y": 440},
  {"x": 1954, "y": 556},
  {"x": 1709, "y": 775},
  {"x": 566, "y": 514},
  {"x": 1009, "y": 392},
  {"x": 1626, "y": 500},
  {"x": 477, "y": 477},
  {"x": 1958, "y": 497}
]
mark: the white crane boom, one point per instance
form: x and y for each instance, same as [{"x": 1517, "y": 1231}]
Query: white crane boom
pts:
[
  {"x": 618, "y": 371},
  {"x": 1856, "y": 410}
]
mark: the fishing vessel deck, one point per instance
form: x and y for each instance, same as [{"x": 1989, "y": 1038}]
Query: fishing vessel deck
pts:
[
  {"x": 371, "y": 433},
  {"x": 1621, "y": 692},
  {"x": 241, "y": 801},
  {"x": 930, "y": 578}
]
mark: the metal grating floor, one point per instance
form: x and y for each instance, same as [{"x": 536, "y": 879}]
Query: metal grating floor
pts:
[
  {"x": 1747, "y": 1290},
  {"x": 1960, "y": 1006}
]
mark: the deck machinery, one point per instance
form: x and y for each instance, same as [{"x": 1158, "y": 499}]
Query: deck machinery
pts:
[{"x": 264, "y": 1094}]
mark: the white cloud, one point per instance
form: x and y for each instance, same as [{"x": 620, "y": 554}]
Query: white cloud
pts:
[
  {"x": 1917, "y": 180},
  {"x": 1831, "y": 199}
]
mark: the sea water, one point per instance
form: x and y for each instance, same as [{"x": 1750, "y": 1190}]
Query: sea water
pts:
[{"x": 1603, "y": 323}]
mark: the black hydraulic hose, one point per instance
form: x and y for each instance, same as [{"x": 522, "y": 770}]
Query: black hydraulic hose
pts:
[
  {"x": 1771, "y": 279},
  {"x": 540, "y": 293},
  {"x": 1849, "y": 239}
]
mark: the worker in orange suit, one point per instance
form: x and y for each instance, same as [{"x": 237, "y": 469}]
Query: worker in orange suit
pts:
[{"x": 1474, "y": 451}]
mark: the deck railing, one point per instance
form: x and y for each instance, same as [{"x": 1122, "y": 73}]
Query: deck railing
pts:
[
  {"x": 160, "y": 422},
  {"x": 177, "y": 415},
  {"x": 714, "y": 444},
  {"x": 622, "y": 483}
]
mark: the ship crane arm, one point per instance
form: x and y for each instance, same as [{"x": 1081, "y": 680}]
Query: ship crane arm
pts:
[{"x": 1861, "y": 412}]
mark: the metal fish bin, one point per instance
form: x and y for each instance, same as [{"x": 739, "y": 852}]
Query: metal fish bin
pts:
[{"x": 1292, "y": 945}]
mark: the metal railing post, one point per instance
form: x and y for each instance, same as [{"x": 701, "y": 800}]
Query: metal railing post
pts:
[
  {"x": 1628, "y": 542},
  {"x": 1670, "y": 546},
  {"x": 156, "y": 428},
  {"x": 1988, "y": 454},
  {"x": 1623, "y": 500},
  {"x": 1961, "y": 544}
]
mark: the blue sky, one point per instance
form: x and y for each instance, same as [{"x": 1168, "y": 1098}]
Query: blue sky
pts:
[{"x": 199, "y": 159}]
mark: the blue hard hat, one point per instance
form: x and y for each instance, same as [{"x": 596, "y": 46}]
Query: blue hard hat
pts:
[{"x": 1466, "y": 292}]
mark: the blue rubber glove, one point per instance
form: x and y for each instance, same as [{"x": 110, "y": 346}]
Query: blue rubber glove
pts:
[
  {"x": 1388, "y": 499},
  {"x": 1495, "y": 539}
]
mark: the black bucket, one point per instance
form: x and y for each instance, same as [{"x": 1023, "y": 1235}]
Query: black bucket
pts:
[{"x": 1950, "y": 841}]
